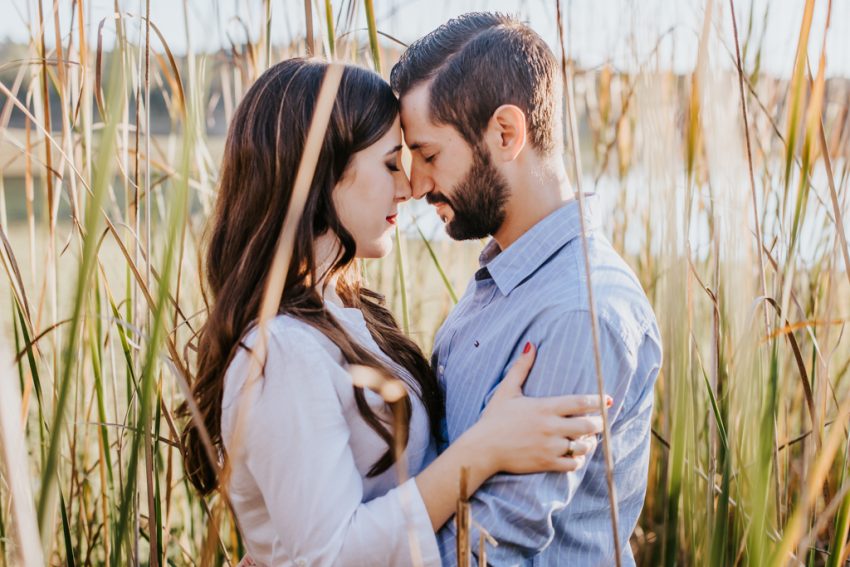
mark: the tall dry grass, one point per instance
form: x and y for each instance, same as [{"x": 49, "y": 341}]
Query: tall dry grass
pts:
[{"x": 727, "y": 192}]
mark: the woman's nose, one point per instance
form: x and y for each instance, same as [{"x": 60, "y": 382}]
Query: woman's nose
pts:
[{"x": 402, "y": 189}]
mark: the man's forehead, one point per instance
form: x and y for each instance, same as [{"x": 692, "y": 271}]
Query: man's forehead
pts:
[
  {"x": 414, "y": 103},
  {"x": 415, "y": 116}
]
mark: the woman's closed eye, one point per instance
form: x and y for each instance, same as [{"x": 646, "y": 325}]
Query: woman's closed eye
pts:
[{"x": 393, "y": 166}]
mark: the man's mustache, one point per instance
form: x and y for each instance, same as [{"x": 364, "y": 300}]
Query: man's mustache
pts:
[{"x": 433, "y": 198}]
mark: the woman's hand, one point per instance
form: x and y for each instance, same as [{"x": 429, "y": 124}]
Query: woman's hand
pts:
[{"x": 526, "y": 435}]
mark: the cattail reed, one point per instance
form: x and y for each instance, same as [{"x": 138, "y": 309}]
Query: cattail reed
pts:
[{"x": 462, "y": 522}]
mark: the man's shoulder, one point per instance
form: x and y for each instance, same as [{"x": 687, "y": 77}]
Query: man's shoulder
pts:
[{"x": 620, "y": 300}]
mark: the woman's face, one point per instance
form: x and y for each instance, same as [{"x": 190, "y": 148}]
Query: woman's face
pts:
[{"x": 367, "y": 196}]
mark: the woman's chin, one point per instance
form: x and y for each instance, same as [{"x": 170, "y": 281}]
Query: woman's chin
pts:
[{"x": 374, "y": 250}]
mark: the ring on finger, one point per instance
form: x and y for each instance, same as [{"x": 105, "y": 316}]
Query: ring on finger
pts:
[{"x": 569, "y": 452}]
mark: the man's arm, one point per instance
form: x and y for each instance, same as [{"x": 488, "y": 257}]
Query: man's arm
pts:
[{"x": 517, "y": 509}]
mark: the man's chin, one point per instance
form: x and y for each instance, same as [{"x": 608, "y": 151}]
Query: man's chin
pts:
[{"x": 457, "y": 231}]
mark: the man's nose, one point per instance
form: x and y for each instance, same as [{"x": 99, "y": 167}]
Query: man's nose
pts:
[{"x": 420, "y": 183}]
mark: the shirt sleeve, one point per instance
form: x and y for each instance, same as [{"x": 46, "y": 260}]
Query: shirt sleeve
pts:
[
  {"x": 296, "y": 448},
  {"x": 517, "y": 510}
]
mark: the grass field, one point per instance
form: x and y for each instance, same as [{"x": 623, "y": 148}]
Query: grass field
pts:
[{"x": 736, "y": 228}]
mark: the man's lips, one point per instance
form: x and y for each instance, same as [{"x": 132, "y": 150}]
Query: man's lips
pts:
[{"x": 440, "y": 204}]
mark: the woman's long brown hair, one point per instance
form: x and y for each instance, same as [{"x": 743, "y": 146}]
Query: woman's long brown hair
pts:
[{"x": 262, "y": 153}]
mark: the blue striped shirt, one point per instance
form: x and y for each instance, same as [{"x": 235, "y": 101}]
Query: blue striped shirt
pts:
[{"x": 535, "y": 290}]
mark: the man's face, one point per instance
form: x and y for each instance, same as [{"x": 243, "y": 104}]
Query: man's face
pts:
[{"x": 467, "y": 190}]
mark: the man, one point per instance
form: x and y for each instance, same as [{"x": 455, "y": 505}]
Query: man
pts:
[{"x": 480, "y": 108}]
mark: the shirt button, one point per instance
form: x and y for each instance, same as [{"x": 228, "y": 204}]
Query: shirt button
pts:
[
  {"x": 441, "y": 369},
  {"x": 300, "y": 562}
]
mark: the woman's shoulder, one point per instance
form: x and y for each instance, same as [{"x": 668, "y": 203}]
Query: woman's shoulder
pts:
[
  {"x": 293, "y": 348},
  {"x": 292, "y": 335}
]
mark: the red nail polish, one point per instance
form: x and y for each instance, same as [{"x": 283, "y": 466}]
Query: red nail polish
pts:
[
  {"x": 609, "y": 401},
  {"x": 527, "y": 348}
]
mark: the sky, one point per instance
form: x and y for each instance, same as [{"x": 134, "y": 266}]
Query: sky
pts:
[{"x": 626, "y": 33}]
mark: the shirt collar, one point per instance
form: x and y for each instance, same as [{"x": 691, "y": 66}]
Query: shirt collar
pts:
[{"x": 512, "y": 266}]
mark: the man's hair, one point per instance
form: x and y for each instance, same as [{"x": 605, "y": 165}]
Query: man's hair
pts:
[{"x": 478, "y": 62}]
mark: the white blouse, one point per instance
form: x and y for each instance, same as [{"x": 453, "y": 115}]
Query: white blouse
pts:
[{"x": 298, "y": 482}]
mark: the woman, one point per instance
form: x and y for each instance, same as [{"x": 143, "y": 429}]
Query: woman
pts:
[{"x": 313, "y": 478}]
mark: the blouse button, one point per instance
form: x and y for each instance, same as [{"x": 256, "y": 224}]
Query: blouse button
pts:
[{"x": 300, "y": 562}]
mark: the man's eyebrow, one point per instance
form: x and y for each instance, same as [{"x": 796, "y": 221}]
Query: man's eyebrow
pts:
[{"x": 394, "y": 150}]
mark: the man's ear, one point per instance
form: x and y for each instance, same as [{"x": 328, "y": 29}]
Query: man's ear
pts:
[{"x": 506, "y": 132}]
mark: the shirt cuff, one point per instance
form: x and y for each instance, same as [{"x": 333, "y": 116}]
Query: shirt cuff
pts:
[{"x": 420, "y": 531}]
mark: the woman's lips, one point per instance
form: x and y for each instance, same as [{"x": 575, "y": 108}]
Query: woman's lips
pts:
[{"x": 392, "y": 218}]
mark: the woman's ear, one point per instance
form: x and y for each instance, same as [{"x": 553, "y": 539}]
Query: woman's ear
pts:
[{"x": 506, "y": 132}]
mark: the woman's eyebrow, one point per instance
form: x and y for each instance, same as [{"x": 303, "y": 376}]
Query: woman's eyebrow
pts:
[{"x": 394, "y": 150}]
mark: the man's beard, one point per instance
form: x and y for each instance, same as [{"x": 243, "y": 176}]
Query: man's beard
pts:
[{"x": 478, "y": 201}]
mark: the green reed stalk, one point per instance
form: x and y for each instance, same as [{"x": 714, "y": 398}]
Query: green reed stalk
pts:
[
  {"x": 373, "y": 35},
  {"x": 102, "y": 176},
  {"x": 329, "y": 18},
  {"x": 150, "y": 368},
  {"x": 437, "y": 264},
  {"x": 402, "y": 283}
]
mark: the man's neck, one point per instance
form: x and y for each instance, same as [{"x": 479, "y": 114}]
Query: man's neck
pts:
[{"x": 534, "y": 198}]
